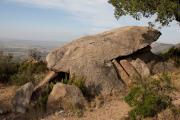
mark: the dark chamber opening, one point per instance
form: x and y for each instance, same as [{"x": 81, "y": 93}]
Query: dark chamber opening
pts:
[{"x": 61, "y": 76}]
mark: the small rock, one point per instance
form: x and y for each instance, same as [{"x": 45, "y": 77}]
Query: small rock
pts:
[
  {"x": 22, "y": 98},
  {"x": 176, "y": 103},
  {"x": 68, "y": 97},
  {"x": 1, "y": 111},
  {"x": 61, "y": 111}
]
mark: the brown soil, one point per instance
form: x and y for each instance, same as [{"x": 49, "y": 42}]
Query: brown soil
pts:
[
  {"x": 176, "y": 79},
  {"x": 6, "y": 93},
  {"x": 113, "y": 108}
]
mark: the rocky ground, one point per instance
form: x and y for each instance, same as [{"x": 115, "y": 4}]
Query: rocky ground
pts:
[
  {"x": 113, "y": 108},
  {"x": 6, "y": 94},
  {"x": 110, "y": 108}
]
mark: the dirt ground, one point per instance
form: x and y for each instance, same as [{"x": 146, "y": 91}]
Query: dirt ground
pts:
[
  {"x": 6, "y": 93},
  {"x": 113, "y": 108}
]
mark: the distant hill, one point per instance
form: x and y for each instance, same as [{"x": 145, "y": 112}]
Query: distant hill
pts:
[
  {"x": 28, "y": 44},
  {"x": 178, "y": 46},
  {"x": 160, "y": 47}
]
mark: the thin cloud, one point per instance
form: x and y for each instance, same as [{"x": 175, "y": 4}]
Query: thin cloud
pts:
[{"x": 97, "y": 13}]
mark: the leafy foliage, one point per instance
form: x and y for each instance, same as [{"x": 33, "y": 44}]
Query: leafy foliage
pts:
[
  {"x": 173, "y": 54},
  {"x": 20, "y": 72},
  {"x": 149, "y": 96},
  {"x": 166, "y": 10},
  {"x": 43, "y": 98},
  {"x": 27, "y": 72},
  {"x": 77, "y": 81},
  {"x": 7, "y": 67},
  {"x": 35, "y": 54}
]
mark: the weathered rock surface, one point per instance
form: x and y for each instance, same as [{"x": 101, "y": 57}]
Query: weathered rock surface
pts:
[
  {"x": 126, "y": 71},
  {"x": 68, "y": 97},
  {"x": 141, "y": 68},
  {"x": 22, "y": 98},
  {"x": 91, "y": 57},
  {"x": 122, "y": 73},
  {"x": 129, "y": 69}
]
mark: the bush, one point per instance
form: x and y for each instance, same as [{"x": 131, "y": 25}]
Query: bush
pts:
[
  {"x": 77, "y": 81},
  {"x": 7, "y": 67},
  {"x": 20, "y": 72},
  {"x": 27, "y": 71},
  {"x": 35, "y": 54},
  {"x": 173, "y": 54},
  {"x": 21, "y": 78},
  {"x": 150, "y": 96},
  {"x": 43, "y": 98}
]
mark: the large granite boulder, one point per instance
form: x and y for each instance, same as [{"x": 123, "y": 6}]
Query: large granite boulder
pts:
[{"x": 91, "y": 57}]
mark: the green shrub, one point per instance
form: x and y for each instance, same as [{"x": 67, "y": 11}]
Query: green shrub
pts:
[
  {"x": 36, "y": 67},
  {"x": 20, "y": 72},
  {"x": 28, "y": 71},
  {"x": 77, "y": 81},
  {"x": 150, "y": 96},
  {"x": 134, "y": 96},
  {"x": 21, "y": 78},
  {"x": 43, "y": 98},
  {"x": 7, "y": 67},
  {"x": 150, "y": 106},
  {"x": 173, "y": 54}
]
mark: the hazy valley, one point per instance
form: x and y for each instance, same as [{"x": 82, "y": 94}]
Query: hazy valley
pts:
[{"x": 20, "y": 48}]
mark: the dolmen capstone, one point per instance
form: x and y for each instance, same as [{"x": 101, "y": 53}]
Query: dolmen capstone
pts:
[{"x": 107, "y": 60}]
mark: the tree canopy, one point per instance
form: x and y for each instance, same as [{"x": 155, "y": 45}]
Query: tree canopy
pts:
[{"x": 166, "y": 10}]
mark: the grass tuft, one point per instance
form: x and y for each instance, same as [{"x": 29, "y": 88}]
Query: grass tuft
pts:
[
  {"x": 77, "y": 81},
  {"x": 149, "y": 96},
  {"x": 172, "y": 54}
]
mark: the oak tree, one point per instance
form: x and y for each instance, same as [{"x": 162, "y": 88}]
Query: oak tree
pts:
[{"x": 165, "y": 10}]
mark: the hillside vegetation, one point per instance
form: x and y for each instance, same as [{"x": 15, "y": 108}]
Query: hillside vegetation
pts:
[
  {"x": 20, "y": 72},
  {"x": 172, "y": 54},
  {"x": 152, "y": 95}
]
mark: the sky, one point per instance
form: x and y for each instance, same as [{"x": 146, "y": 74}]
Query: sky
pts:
[{"x": 66, "y": 20}]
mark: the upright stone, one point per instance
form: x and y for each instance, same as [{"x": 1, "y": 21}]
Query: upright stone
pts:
[{"x": 22, "y": 98}]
